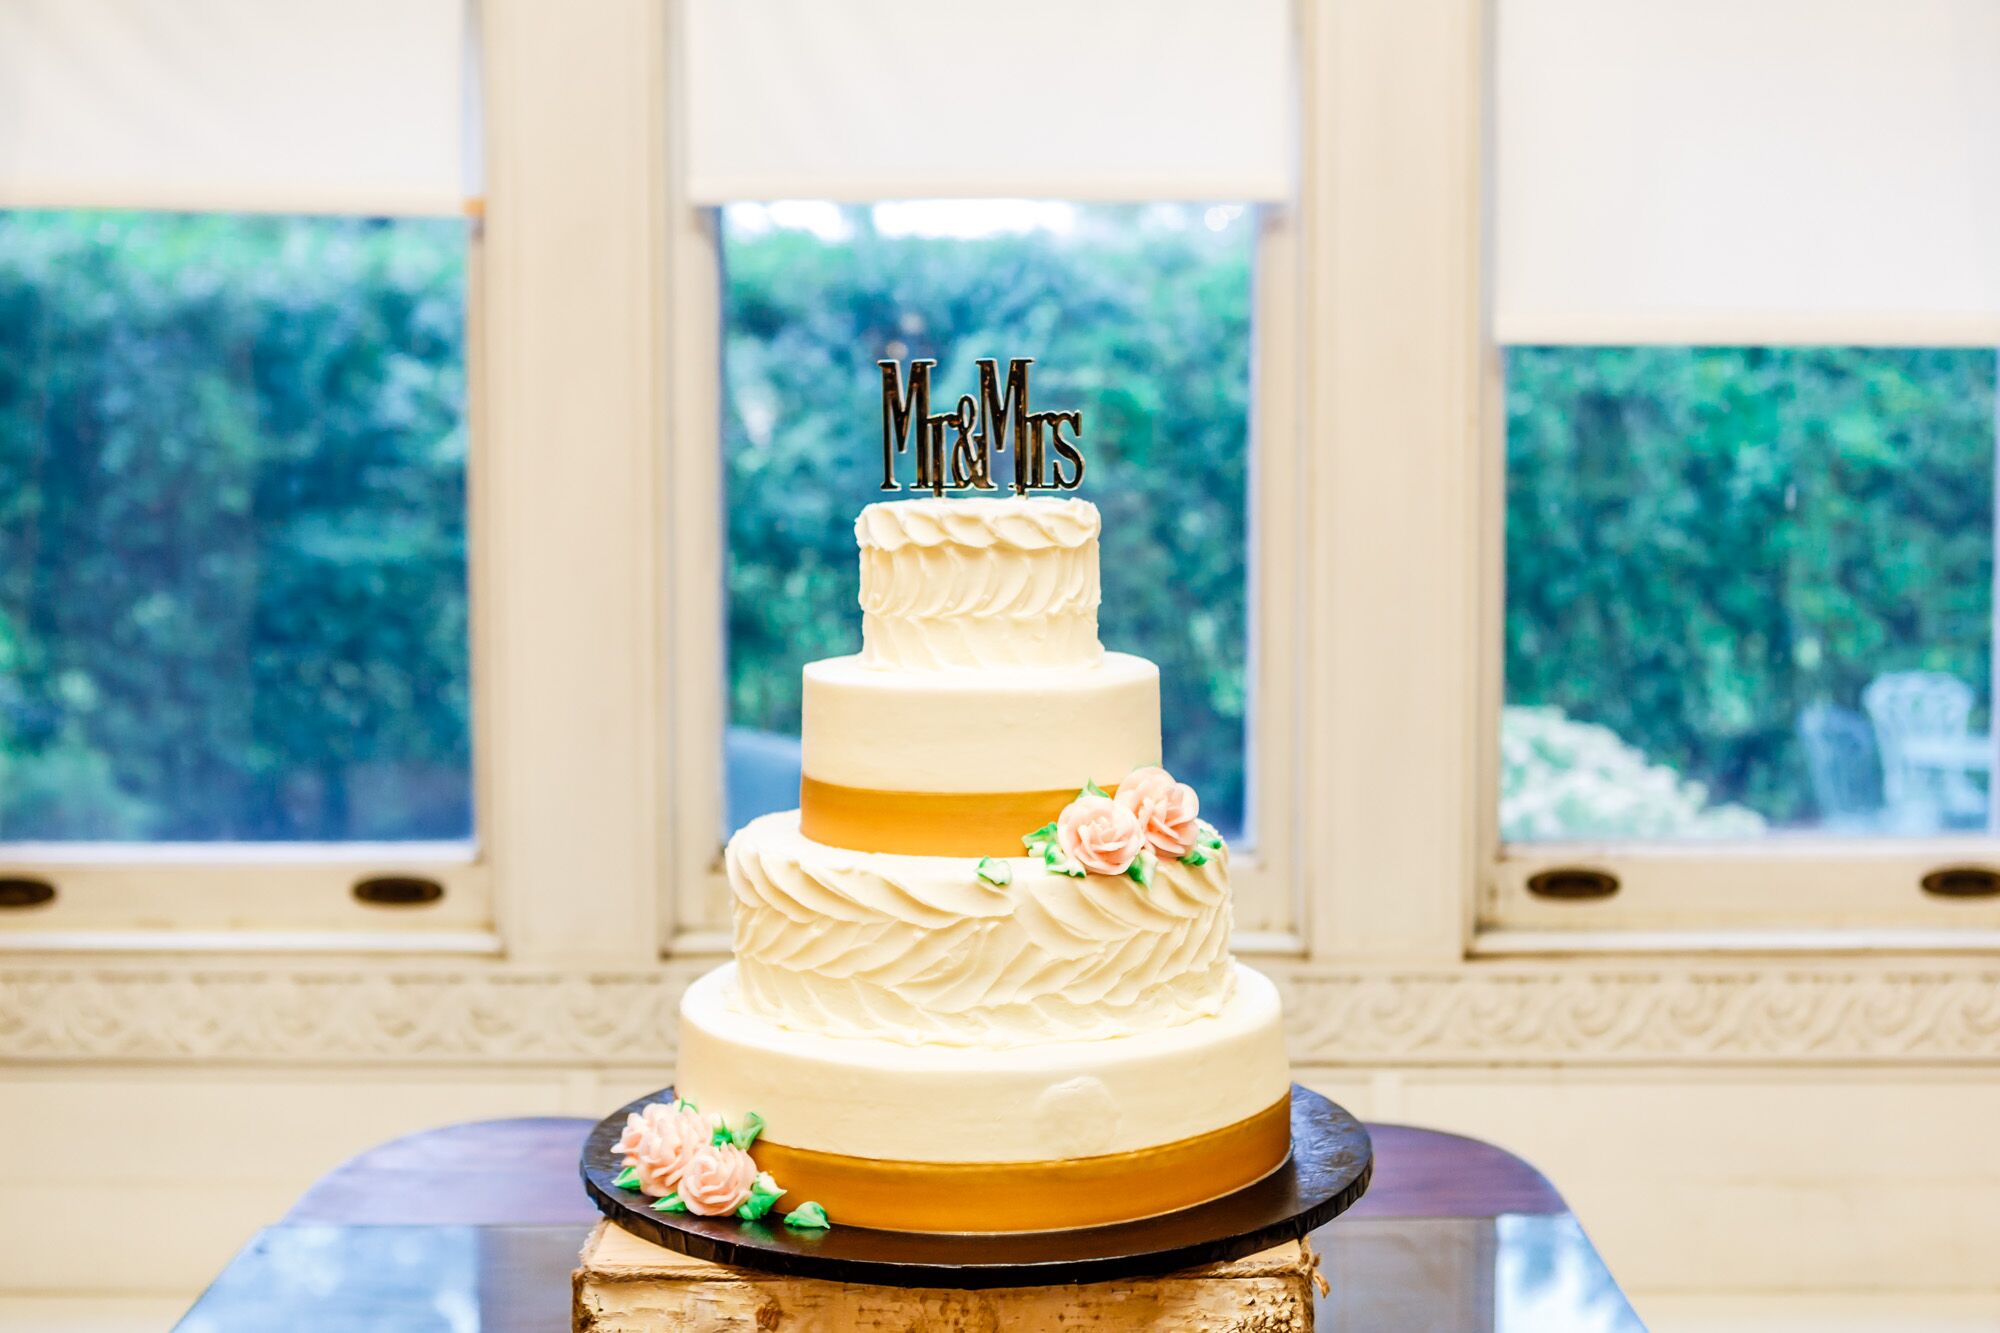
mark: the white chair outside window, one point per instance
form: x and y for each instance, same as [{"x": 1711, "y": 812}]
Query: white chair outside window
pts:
[{"x": 1929, "y": 751}]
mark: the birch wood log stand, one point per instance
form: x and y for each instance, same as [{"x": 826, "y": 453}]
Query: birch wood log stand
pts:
[{"x": 628, "y": 1285}]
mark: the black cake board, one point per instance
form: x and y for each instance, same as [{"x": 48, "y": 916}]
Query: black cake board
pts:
[{"x": 1326, "y": 1173}]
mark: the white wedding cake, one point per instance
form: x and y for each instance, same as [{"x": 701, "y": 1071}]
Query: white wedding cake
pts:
[{"x": 982, "y": 978}]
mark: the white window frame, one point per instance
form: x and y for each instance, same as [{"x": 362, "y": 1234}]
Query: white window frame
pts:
[
  {"x": 1786, "y": 893},
  {"x": 1264, "y": 881},
  {"x": 1392, "y": 562},
  {"x": 293, "y": 896},
  {"x": 563, "y": 302},
  {"x": 596, "y": 548}
]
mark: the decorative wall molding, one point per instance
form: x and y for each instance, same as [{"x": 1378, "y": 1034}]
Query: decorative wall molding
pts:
[
  {"x": 1501, "y": 1013},
  {"x": 1605, "y": 1015}
]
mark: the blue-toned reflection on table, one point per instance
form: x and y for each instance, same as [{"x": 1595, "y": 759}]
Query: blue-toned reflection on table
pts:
[{"x": 1510, "y": 1274}]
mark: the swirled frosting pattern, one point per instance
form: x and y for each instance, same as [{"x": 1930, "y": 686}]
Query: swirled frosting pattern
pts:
[
  {"x": 919, "y": 949},
  {"x": 964, "y": 584},
  {"x": 1029, "y": 524}
]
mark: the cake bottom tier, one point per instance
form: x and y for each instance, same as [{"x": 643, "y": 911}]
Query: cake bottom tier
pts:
[{"x": 1026, "y": 1138}]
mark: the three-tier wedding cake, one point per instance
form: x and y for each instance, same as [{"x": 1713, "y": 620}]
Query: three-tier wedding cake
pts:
[{"x": 982, "y": 978}]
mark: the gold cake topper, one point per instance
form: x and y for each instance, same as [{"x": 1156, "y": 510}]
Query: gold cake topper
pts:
[{"x": 978, "y": 428}]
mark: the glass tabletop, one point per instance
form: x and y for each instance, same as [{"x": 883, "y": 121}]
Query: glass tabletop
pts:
[
  {"x": 1490, "y": 1274},
  {"x": 1501, "y": 1274}
]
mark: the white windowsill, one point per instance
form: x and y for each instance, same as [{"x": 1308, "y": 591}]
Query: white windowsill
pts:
[
  {"x": 169, "y": 943},
  {"x": 141, "y": 854},
  {"x": 1803, "y": 944}
]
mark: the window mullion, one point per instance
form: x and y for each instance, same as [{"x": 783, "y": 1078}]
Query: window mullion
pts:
[
  {"x": 572, "y": 296},
  {"x": 1392, "y": 198}
]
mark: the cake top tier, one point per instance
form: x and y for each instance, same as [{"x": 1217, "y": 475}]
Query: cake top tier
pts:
[
  {"x": 1020, "y": 524},
  {"x": 950, "y": 584}
]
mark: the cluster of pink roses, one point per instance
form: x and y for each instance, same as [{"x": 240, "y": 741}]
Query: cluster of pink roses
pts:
[
  {"x": 696, "y": 1163},
  {"x": 1102, "y": 834},
  {"x": 676, "y": 1151}
]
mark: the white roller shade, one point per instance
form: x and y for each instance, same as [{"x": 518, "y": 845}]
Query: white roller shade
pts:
[
  {"x": 1748, "y": 171},
  {"x": 315, "y": 106},
  {"x": 1072, "y": 99}
]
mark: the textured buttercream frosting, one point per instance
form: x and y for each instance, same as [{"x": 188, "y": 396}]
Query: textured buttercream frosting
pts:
[
  {"x": 869, "y": 1097},
  {"x": 908, "y": 1008},
  {"x": 967, "y": 584},
  {"x": 1033, "y": 523},
  {"x": 921, "y": 949}
]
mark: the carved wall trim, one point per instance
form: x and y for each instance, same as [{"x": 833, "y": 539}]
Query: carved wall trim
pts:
[
  {"x": 1563, "y": 1014},
  {"x": 1511, "y": 1013}
]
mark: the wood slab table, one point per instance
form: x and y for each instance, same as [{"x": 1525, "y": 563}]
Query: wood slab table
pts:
[{"x": 1454, "y": 1234}]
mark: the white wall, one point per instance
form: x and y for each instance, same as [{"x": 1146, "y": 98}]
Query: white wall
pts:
[{"x": 1743, "y": 1180}]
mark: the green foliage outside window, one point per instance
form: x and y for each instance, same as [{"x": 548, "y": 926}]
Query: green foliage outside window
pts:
[
  {"x": 1702, "y": 542},
  {"x": 1146, "y": 328},
  {"x": 232, "y": 528},
  {"x": 232, "y": 582}
]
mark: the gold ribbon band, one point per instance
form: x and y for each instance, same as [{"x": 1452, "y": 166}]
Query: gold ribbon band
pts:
[
  {"x": 925, "y": 823},
  {"x": 1032, "y": 1196}
]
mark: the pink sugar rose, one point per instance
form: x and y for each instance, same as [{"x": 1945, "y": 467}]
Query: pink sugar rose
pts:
[
  {"x": 717, "y": 1180},
  {"x": 1099, "y": 835},
  {"x": 659, "y": 1113},
  {"x": 642, "y": 1125},
  {"x": 667, "y": 1144},
  {"x": 1142, "y": 784},
  {"x": 1168, "y": 812},
  {"x": 637, "y": 1132}
]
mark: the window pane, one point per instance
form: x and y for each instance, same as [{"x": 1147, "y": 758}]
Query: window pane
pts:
[
  {"x": 232, "y": 528},
  {"x": 1139, "y": 315},
  {"x": 1749, "y": 590}
]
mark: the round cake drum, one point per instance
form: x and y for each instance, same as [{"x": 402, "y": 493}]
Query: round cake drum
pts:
[{"x": 1327, "y": 1171}]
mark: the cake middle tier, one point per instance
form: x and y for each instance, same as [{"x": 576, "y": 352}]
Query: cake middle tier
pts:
[
  {"x": 926, "y": 763},
  {"x": 922, "y": 949}
]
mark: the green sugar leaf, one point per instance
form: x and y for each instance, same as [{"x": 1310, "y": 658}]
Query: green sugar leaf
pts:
[
  {"x": 808, "y": 1216},
  {"x": 671, "y": 1204},
  {"x": 764, "y": 1192},
  {"x": 1090, "y": 788},
  {"x": 1053, "y": 858},
  {"x": 723, "y": 1134},
  {"x": 994, "y": 871},
  {"x": 1140, "y": 872},
  {"x": 628, "y": 1179},
  {"x": 747, "y": 1130},
  {"x": 1195, "y": 857},
  {"x": 1041, "y": 839}
]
